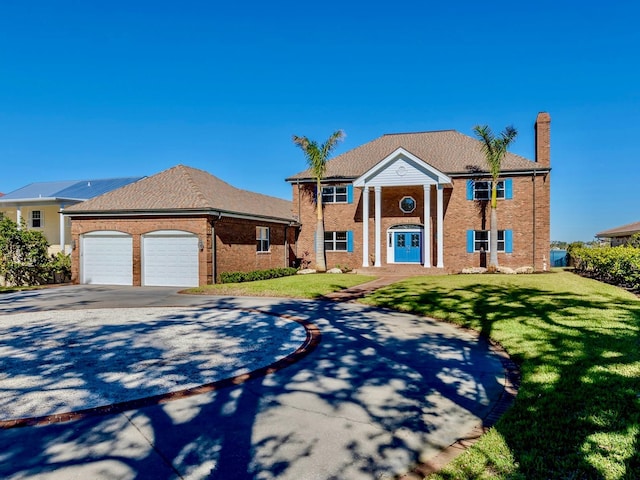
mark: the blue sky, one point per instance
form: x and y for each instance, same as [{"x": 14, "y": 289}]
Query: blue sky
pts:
[{"x": 108, "y": 89}]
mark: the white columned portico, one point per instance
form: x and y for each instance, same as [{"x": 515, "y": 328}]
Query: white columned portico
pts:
[
  {"x": 62, "y": 239},
  {"x": 402, "y": 170},
  {"x": 365, "y": 227},
  {"x": 440, "y": 223},
  {"x": 378, "y": 224},
  {"x": 426, "y": 235},
  {"x": 19, "y": 216}
]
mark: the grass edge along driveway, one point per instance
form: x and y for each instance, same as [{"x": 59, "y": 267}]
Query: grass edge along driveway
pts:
[{"x": 576, "y": 340}]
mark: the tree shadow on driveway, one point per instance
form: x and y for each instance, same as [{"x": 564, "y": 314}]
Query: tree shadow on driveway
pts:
[{"x": 382, "y": 391}]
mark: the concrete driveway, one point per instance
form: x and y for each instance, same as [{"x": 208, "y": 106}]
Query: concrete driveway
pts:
[{"x": 381, "y": 393}]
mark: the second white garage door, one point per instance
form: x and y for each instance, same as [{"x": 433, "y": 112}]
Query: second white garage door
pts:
[{"x": 170, "y": 258}]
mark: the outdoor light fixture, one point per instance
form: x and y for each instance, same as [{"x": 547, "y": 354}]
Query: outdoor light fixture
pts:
[{"x": 200, "y": 244}]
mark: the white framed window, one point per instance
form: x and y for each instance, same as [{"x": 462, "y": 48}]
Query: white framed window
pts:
[
  {"x": 335, "y": 241},
  {"x": 335, "y": 194},
  {"x": 36, "y": 219},
  {"x": 407, "y": 204},
  {"x": 482, "y": 190},
  {"x": 481, "y": 240},
  {"x": 262, "y": 239}
]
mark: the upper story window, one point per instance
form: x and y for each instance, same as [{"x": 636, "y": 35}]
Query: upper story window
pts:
[
  {"x": 36, "y": 219},
  {"x": 334, "y": 194},
  {"x": 407, "y": 204},
  {"x": 482, "y": 190},
  {"x": 262, "y": 239}
]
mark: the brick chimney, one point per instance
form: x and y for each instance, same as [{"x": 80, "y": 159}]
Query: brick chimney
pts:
[{"x": 543, "y": 139}]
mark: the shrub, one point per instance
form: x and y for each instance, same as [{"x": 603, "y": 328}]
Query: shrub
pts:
[
  {"x": 23, "y": 254},
  {"x": 60, "y": 268},
  {"x": 239, "y": 277},
  {"x": 616, "y": 265}
]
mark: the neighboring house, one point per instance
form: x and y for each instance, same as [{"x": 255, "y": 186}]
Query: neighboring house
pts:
[
  {"x": 41, "y": 205},
  {"x": 619, "y": 235},
  {"x": 424, "y": 201},
  {"x": 180, "y": 227}
]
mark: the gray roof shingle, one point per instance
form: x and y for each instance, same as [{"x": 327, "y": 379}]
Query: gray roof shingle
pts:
[
  {"x": 449, "y": 151},
  {"x": 622, "y": 231},
  {"x": 186, "y": 188}
]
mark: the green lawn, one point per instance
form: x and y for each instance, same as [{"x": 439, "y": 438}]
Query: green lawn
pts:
[
  {"x": 577, "y": 414},
  {"x": 295, "y": 286}
]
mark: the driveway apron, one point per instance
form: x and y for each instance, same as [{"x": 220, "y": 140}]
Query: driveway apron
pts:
[{"x": 381, "y": 392}]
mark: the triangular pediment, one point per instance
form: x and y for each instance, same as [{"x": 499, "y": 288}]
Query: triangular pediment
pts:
[{"x": 401, "y": 168}]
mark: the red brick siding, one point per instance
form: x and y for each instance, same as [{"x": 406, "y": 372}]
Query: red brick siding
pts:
[
  {"x": 460, "y": 215},
  {"x": 235, "y": 242},
  {"x": 236, "y": 249}
]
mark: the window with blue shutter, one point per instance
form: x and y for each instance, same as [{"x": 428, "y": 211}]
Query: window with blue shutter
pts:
[
  {"x": 508, "y": 189},
  {"x": 508, "y": 241}
]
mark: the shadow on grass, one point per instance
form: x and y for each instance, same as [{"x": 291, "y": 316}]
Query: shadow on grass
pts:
[{"x": 577, "y": 414}]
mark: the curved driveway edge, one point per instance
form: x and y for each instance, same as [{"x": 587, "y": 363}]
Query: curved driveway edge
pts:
[{"x": 383, "y": 391}]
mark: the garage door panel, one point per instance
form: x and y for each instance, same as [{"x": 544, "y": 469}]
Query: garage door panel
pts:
[
  {"x": 170, "y": 260},
  {"x": 107, "y": 259}
]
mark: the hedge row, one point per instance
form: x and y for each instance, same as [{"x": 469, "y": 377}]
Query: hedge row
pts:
[
  {"x": 616, "y": 265},
  {"x": 238, "y": 277}
]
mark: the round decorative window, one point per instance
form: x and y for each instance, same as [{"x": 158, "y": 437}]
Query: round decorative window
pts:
[{"x": 407, "y": 204}]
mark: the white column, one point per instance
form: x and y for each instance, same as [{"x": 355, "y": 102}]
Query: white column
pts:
[
  {"x": 440, "y": 231},
  {"x": 62, "y": 242},
  {"x": 19, "y": 216},
  {"x": 378, "y": 223},
  {"x": 426, "y": 236},
  {"x": 365, "y": 227}
]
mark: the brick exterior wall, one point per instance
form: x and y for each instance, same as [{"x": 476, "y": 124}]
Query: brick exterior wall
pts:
[
  {"x": 460, "y": 215},
  {"x": 235, "y": 242},
  {"x": 236, "y": 246}
]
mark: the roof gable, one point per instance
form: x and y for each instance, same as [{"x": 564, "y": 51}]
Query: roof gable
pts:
[
  {"x": 187, "y": 189},
  {"x": 447, "y": 151},
  {"x": 401, "y": 168}
]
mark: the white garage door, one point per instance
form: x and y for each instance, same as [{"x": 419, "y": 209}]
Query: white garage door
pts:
[
  {"x": 170, "y": 258},
  {"x": 107, "y": 258}
]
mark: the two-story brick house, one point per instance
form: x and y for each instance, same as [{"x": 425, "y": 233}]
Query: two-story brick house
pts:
[{"x": 422, "y": 199}]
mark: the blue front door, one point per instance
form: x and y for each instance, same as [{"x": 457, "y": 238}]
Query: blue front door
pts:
[{"x": 407, "y": 247}]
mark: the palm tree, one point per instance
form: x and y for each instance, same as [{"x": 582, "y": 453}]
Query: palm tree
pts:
[
  {"x": 317, "y": 156},
  {"x": 494, "y": 149}
]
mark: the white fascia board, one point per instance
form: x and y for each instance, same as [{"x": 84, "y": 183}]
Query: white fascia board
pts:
[
  {"x": 503, "y": 173},
  {"x": 389, "y": 159},
  {"x": 178, "y": 213},
  {"x": 16, "y": 202}
]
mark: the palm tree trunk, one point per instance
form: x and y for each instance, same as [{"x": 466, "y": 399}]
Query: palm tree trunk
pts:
[
  {"x": 493, "y": 240},
  {"x": 321, "y": 262}
]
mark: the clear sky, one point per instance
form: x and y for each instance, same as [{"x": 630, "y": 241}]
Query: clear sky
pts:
[{"x": 129, "y": 88}]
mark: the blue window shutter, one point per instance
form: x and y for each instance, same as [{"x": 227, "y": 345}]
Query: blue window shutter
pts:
[
  {"x": 349, "y": 241},
  {"x": 349, "y": 193},
  {"x": 469, "y": 189},
  {"x": 508, "y": 189},
  {"x": 469, "y": 241},
  {"x": 508, "y": 241}
]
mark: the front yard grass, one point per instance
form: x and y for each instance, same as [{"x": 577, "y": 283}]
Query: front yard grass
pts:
[
  {"x": 577, "y": 342},
  {"x": 295, "y": 286}
]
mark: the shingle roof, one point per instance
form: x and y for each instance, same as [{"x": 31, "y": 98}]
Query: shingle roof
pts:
[
  {"x": 448, "y": 151},
  {"x": 69, "y": 189},
  {"x": 186, "y": 188},
  {"x": 622, "y": 231}
]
